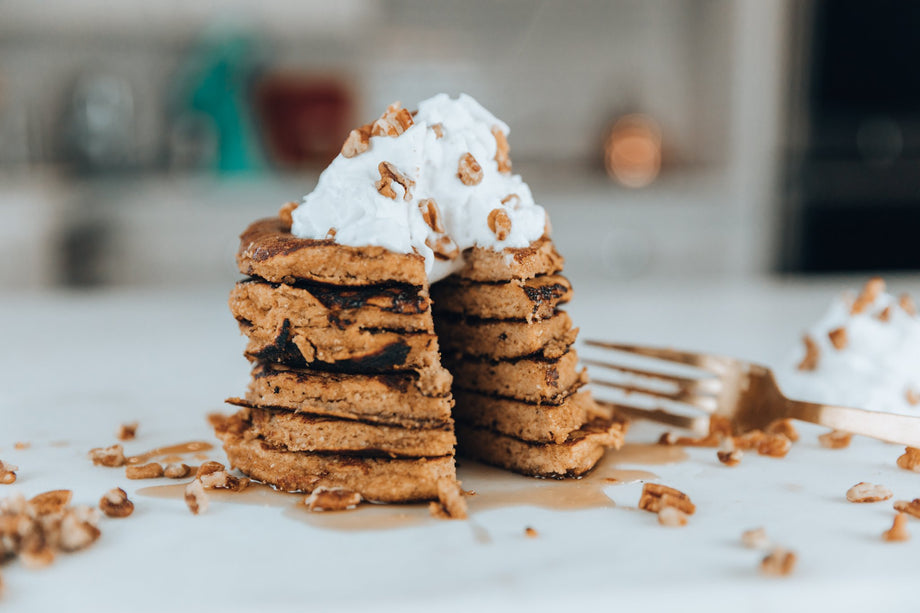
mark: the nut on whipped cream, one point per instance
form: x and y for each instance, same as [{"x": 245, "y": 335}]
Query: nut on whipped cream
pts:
[
  {"x": 433, "y": 182},
  {"x": 864, "y": 353}
]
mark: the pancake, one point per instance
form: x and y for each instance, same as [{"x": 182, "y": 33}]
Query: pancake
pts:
[
  {"x": 573, "y": 458},
  {"x": 305, "y": 432},
  {"x": 536, "y": 423},
  {"x": 376, "y": 479},
  {"x": 382, "y": 307},
  {"x": 528, "y": 379},
  {"x": 531, "y": 300},
  {"x": 506, "y": 338}
]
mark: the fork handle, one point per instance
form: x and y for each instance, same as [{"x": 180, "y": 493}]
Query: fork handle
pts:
[{"x": 903, "y": 429}]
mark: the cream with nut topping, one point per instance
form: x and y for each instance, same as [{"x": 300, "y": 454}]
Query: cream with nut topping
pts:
[
  {"x": 435, "y": 183},
  {"x": 864, "y": 353}
]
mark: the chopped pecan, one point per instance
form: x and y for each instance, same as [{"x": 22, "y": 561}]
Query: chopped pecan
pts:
[
  {"x": 868, "y": 492},
  {"x": 54, "y": 501},
  {"x": 502, "y": 150},
  {"x": 672, "y": 517},
  {"x": 286, "y": 213},
  {"x": 209, "y": 467},
  {"x": 749, "y": 440},
  {"x": 21, "y": 445},
  {"x": 222, "y": 480},
  {"x": 389, "y": 174},
  {"x": 153, "y": 470},
  {"x": 513, "y": 201},
  {"x": 656, "y": 496},
  {"x": 394, "y": 121},
  {"x": 531, "y": 532},
  {"x": 77, "y": 530},
  {"x": 357, "y": 142},
  {"x": 873, "y": 288},
  {"x": 884, "y": 314},
  {"x": 431, "y": 214},
  {"x": 499, "y": 223},
  {"x": 438, "y": 130},
  {"x": 115, "y": 503},
  {"x": 911, "y": 508},
  {"x": 113, "y": 456},
  {"x": 898, "y": 531},
  {"x": 912, "y": 396},
  {"x": 907, "y": 304},
  {"x": 835, "y": 439},
  {"x": 778, "y": 563},
  {"x": 785, "y": 427},
  {"x": 177, "y": 471},
  {"x": 755, "y": 538},
  {"x": 332, "y": 499},
  {"x": 126, "y": 432},
  {"x": 730, "y": 458},
  {"x": 330, "y": 234},
  {"x": 7, "y": 473},
  {"x": 450, "y": 504},
  {"x": 195, "y": 498},
  {"x": 812, "y": 354},
  {"x": 35, "y": 552},
  {"x": 838, "y": 338},
  {"x": 468, "y": 170},
  {"x": 774, "y": 445},
  {"x": 444, "y": 247},
  {"x": 910, "y": 459}
]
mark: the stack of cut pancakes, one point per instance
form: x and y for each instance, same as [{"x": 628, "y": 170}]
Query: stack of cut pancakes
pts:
[
  {"x": 347, "y": 388},
  {"x": 520, "y": 397}
]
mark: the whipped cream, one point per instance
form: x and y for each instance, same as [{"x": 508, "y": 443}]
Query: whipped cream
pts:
[
  {"x": 875, "y": 363},
  {"x": 348, "y": 206}
]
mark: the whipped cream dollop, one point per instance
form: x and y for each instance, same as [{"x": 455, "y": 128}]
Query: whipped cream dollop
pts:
[
  {"x": 864, "y": 353},
  {"x": 434, "y": 183}
]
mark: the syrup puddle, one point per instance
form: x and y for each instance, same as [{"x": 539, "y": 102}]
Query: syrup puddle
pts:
[
  {"x": 172, "y": 453},
  {"x": 489, "y": 488}
]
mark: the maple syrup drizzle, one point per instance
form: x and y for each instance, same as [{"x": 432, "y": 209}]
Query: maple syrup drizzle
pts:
[
  {"x": 493, "y": 487},
  {"x": 171, "y": 452}
]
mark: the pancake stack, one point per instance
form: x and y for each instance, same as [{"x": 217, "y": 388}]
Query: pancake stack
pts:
[
  {"x": 347, "y": 388},
  {"x": 520, "y": 397}
]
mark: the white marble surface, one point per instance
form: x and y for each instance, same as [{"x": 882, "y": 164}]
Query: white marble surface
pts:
[{"x": 74, "y": 366}]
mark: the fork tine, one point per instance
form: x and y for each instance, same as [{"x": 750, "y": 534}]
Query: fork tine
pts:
[
  {"x": 699, "y": 424},
  {"x": 690, "y": 385},
  {"x": 711, "y": 363},
  {"x": 703, "y": 403}
]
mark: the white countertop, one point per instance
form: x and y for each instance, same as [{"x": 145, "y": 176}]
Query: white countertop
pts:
[{"x": 77, "y": 365}]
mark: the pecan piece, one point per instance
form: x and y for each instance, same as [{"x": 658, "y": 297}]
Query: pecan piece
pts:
[
  {"x": 755, "y": 538},
  {"x": 177, "y": 471},
  {"x": 286, "y": 213},
  {"x": 444, "y": 247},
  {"x": 209, "y": 467},
  {"x": 7, "y": 473},
  {"x": 153, "y": 470},
  {"x": 910, "y": 459},
  {"x": 115, "y": 503},
  {"x": 868, "y": 492},
  {"x": 389, "y": 174},
  {"x": 672, "y": 517},
  {"x": 394, "y": 121},
  {"x": 450, "y": 504},
  {"x": 502, "y": 150},
  {"x": 838, "y": 338},
  {"x": 113, "y": 456},
  {"x": 812, "y": 353},
  {"x": 907, "y": 304},
  {"x": 531, "y": 532},
  {"x": 499, "y": 223},
  {"x": 438, "y": 130},
  {"x": 431, "y": 214},
  {"x": 468, "y": 170},
  {"x": 898, "y": 531},
  {"x": 885, "y": 314},
  {"x": 774, "y": 445},
  {"x": 911, "y": 508},
  {"x": 835, "y": 439},
  {"x": 778, "y": 563},
  {"x": 873, "y": 288},
  {"x": 784, "y": 427},
  {"x": 222, "y": 480},
  {"x": 195, "y": 498},
  {"x": 332, "y": 499},
  {"x": 730, "y": 458},
  {"x": 21, "y": 445},
  {"x": 126, "y": 432},
  {"x": 54, "y": 501},
  {"x": 77, "y": 530},
  {"x": 656, "y": 496},
  {"x": 357, "y": 142},
  {"x": 912, "y": 396}
]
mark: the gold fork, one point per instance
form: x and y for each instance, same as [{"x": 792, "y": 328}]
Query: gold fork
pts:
[{"x": 746, "y": 394}]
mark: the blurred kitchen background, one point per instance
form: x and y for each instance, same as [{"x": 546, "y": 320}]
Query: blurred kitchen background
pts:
[{"x": 667, "y": 138}]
